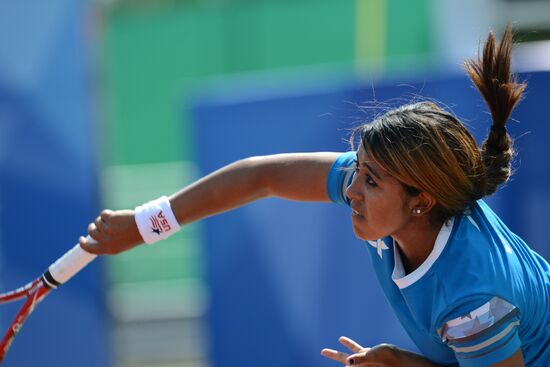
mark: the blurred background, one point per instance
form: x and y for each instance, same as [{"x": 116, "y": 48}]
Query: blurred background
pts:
[{"x": 111, "y": 103}]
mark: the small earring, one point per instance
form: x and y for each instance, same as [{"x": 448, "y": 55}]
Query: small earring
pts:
[{"x": 418, "y": 211}]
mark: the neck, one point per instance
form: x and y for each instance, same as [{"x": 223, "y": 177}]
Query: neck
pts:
[{"x": 416, "y": 242}]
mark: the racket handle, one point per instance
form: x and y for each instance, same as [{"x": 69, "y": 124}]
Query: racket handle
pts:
[{"x": 67, "y": 265}]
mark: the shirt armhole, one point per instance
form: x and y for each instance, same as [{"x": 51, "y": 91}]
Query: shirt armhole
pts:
[{"x": 340, "y": 176}]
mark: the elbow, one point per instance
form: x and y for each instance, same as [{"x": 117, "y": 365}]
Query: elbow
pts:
[{"x": 257, "y": 170}]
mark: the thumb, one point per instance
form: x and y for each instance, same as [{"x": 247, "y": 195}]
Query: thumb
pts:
[{"x": 88, "y": 244}]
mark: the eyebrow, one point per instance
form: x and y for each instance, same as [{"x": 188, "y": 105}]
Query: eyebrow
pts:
[
  {"x": 368, "y": 167},
  {"x": 372, "y": 171},
  {"x": 375, "y": 174}
]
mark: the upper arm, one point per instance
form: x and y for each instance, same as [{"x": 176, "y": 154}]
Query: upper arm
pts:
[
  {"x": 484, "y": 333},
  {"x": 297, "y": 176}
]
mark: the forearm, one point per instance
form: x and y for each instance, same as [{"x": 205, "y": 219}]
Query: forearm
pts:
[{"x": 229, "y": 187}]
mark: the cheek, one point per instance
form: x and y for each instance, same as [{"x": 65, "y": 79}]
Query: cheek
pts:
[
  {"x": 384, "y": 214},
  {"x": 378, "y": 207}
]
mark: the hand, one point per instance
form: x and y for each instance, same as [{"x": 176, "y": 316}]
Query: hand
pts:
[
  {"x": 383, "y": 355},
  {"x": 114, "y": 231}
]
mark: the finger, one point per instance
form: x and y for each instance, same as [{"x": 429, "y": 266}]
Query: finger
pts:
[
  {"x": 88, "y": 244},
  {"x": 359, "y": 358},
  {"x": 100, "y": 224},
  {"x": 90, "y": 241},
  {"x": 106, "y": 214},
  {"x": 352, "y": 345},
  {"x": 335, "y": 355},
  {"x": 93, "y": 232}
]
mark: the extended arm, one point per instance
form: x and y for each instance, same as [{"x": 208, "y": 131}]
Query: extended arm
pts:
[{"x": 295, "y": 176}]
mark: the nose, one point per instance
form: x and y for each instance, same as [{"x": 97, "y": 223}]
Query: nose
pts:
[{"x": 353, "y": 191}]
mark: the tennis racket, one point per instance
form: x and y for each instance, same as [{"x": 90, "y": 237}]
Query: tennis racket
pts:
[{"x": 58, "y": 273}]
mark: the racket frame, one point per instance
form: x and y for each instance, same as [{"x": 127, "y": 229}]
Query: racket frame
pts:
[{"x": 58, "y": 273}]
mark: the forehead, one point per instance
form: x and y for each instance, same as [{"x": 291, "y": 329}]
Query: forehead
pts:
[
  {"x": 363, "y": 159},
  {"x": 361, "y": 153}
]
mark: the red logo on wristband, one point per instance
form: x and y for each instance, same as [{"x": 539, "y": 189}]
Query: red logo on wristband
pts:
[{"x": 160, "y": 223}]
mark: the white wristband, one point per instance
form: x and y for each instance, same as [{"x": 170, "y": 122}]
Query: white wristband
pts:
[{"x": 155, "y": 220}]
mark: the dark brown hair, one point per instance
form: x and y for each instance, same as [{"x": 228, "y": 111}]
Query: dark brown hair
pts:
[
  {"x": 501, "y": 91},
  {"x": 428, "y": 149}
]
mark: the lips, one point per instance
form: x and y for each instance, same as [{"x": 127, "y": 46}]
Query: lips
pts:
[{"x": 355, "y": 211}]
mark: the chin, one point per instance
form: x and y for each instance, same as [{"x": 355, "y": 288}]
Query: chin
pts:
[
  {"x": 362, "y": 238},
  {"x": 361, "y": 234}
]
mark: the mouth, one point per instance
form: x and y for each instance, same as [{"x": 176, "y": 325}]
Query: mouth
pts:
[{"x": 355, "y": 213}]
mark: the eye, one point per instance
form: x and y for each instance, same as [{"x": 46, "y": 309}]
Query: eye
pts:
[
  {"x": 368, "y": 178},
  {"x": 370, "y": 181}
]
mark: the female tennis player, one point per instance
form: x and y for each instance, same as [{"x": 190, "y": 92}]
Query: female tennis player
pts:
[{"x": 468, "y": 291}]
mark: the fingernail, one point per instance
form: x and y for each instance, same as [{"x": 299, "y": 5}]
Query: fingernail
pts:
[{"x": 351, "y": 361}]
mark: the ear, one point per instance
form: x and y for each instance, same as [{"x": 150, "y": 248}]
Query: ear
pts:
[{"x": 422, "y": 203}]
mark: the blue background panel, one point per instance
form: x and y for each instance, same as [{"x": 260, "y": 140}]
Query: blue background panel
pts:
[{"x": 48, "y": 179}]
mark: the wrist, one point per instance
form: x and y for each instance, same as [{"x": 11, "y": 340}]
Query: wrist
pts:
[{"x": 155, "y": 220}]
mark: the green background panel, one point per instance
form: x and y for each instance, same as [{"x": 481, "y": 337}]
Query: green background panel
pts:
[
  {"x": 409, "y": 28},
  {"x": 151, "y": 57},
  {"x": 308, "y": 33},
  {"x": 178, "y": 257},
  {"x": 155, "y": 56},
  {"x": 242, "y": 37}
]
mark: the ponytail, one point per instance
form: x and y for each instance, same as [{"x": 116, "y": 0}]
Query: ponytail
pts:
[{"x": 501, "y": 92}]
